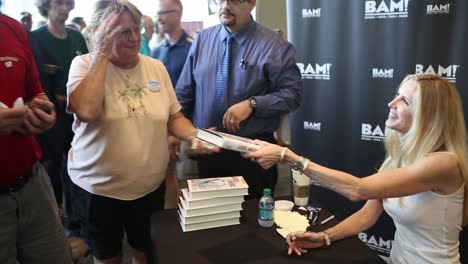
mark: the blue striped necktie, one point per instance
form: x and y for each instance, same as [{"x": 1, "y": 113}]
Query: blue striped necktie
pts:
[{"x": 222, "y": 85}]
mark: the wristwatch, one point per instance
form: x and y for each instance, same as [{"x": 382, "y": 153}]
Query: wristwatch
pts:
[
  {"x": 326, "y": 238},
  {"x": 253, "y": 104},
  {"x": 298, "y": 165}
]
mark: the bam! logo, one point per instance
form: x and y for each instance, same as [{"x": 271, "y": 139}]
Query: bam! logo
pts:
[
  {"x": 312, "y": 125},
  {"x": 438, "y": 9},
  {"x": 309, "y": 13},
  {"x": 376, "y": 243},
  {"x": 318, "y": 72},
  {"x": 382, "y": 73},
  {"x": 370, "y": 133},
  {"x": 449, "y": 72},
  {"x": 386, "y": 9}
]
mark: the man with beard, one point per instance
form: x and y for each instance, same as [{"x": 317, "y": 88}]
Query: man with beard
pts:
[
  {"x": 255, "y": 81},
  {"x": 54, "y": 47}
]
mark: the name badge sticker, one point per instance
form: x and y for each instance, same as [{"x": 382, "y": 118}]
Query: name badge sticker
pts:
[{"x": 154, "y": 85}]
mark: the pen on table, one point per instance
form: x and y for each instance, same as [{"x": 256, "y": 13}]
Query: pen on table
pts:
[{"x": 327, "y": 220}]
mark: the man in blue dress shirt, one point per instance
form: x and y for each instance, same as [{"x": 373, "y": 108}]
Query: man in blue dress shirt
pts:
[{"x": 264, "y": 83}]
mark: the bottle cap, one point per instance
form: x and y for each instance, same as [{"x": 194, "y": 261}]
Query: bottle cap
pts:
[{"x": 267, "y": 191}]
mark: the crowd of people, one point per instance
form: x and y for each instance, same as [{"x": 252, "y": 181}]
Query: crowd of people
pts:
[{"x": 91, "y": 154}]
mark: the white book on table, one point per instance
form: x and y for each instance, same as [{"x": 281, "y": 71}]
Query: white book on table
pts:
[
  {"x": 217, "y": 187},
  {"x": 207, "y": 218},
  {"x": 187, "y": 212},
  {"x": 210, "y": 224},
  {"x": 199, "y": 203}
]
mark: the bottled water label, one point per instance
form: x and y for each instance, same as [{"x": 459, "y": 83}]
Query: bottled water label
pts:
[
  {"x": 265, "y": 215},
  {"x": 265, "y": 209}
]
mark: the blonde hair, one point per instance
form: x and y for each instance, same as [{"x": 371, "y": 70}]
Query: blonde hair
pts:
[
  {"x": 103, "y": 8},
  {"x": 438, "y": 125}
]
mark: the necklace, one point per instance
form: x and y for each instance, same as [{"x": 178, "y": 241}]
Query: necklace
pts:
[{"x": 124, "y": 76}]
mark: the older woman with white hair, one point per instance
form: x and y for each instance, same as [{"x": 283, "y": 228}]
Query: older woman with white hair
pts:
[{"x": 124, "y": 107}]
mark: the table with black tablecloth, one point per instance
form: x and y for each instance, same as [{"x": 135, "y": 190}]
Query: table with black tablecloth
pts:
[{"x": 245, "y": 243}]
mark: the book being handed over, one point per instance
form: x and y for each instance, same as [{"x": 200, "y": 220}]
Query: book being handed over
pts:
[{"x": 227, "y": 141}]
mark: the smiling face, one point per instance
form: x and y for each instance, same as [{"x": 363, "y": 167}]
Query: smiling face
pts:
[
  {"x": 400, "y": 116},
  {"x": 127, "y": 42},
  {"x": 169, "y": 15}
]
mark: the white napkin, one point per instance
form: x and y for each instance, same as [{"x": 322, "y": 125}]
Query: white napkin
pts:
[{"x": 290, "y": 222}]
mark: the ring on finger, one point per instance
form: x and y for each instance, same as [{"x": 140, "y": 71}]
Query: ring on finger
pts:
[{"x": 231, "y": 121}]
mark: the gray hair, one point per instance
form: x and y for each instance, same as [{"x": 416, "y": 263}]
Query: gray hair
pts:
[{"x": 103, "y": 8}]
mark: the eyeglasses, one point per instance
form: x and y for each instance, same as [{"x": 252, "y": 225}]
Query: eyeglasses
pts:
[
  {"x": 230, "y": 2},
  {"x": 165, "y": 12},
  {"x": 127, "y": 32}
]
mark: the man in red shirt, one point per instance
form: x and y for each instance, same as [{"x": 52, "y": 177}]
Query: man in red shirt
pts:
[{"x": 30, "y": 227}]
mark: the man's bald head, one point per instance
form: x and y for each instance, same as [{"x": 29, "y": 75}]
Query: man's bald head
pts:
[
  {"x": 175, "y": 3},
  {"x": 169, "y": 15}
]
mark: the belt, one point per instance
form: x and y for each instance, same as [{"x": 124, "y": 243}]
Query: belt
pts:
[{"x": 17, "y": 185}]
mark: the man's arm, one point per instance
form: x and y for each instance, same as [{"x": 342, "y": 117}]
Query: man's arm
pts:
[
  {"x": 286, "y": 93},
  {"x": 185, "y": 87}
]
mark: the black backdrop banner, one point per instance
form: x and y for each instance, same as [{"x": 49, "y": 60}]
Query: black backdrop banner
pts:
[{"x": 352, "y": 56}]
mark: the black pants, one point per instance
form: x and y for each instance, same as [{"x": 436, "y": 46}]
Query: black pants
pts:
[
  {"x": 55, "y": 145},
  {"x": 107, "y": 219},
  {"x": 231, "y": 163}
]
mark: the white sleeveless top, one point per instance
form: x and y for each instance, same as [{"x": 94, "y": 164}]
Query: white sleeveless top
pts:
[{"x": 428, "y": 225}]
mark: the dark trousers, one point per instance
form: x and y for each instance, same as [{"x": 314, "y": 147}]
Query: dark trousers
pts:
[
  {"x": 159, "y": 195},
  {"x": 55, "y": 145},
  {"x": 231, "y": 163}
]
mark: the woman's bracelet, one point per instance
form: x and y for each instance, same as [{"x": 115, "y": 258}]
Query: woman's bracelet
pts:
[
  {"x": 306, "y": 164},
  {"x": 281, "y": 159}
]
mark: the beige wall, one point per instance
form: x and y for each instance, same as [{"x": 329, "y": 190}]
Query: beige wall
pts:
[{"x": 272, "y": 14}]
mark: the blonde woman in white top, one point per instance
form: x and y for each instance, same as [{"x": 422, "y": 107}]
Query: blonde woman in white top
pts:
[
  {"x": 422, "y": 185},
  {"x": 124, "y": 107}
]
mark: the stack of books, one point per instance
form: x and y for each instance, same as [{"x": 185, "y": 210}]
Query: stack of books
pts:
[{"x": 211, "y": 202}]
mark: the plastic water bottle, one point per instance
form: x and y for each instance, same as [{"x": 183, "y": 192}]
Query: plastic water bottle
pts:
[{"x": 265, "y": 209}]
